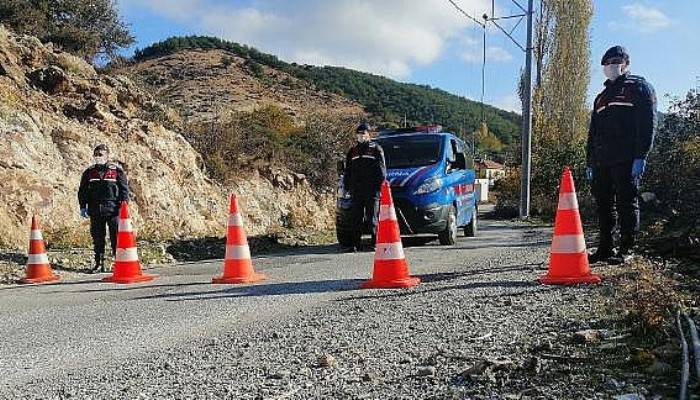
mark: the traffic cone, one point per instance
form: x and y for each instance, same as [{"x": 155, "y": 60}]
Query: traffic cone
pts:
[
  {"x": 390, "y": 266},
  {"x": 238, "y": 267},
  {"x": 127, "y": 267},
  {"x": 38, "y": 267},
  {"x": 568, "y": 263}
]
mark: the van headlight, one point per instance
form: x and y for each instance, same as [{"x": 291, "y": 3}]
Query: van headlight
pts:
[{"x": 429, "y": 186}]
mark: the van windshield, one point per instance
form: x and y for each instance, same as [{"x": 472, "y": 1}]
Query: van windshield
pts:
[{"x": 410, "y": 151}]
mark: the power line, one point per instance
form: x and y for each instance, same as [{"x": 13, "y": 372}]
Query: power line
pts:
[
  {"x": 526, "y": 137},
  {"x": 476, "y": 21}
]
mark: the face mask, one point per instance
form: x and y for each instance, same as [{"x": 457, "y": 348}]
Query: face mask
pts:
[
  {"x": 362, "y": 138},
  {"x": 612, "y": 71},
  {"x": 100, "y": 160}
]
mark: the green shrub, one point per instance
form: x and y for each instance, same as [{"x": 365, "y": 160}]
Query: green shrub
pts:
[
  {"x": 87, "y": 28},
  {"x": 674, "y": 176}
]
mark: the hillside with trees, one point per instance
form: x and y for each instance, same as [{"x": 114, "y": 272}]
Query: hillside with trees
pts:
[{"x": 389, "y": 102}]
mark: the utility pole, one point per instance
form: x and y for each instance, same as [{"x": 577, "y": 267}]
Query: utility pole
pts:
[
  {"x": 526, "y": 135},
  {"x": 526, "y": 138}
]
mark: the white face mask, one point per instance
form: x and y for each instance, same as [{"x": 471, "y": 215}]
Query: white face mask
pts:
[
  {"x": 613, "y": 71},
  {"x": 362, "y": 137},
  {"x": 100, "y": 160}
]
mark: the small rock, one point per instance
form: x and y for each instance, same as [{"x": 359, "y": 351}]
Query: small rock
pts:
[
  {"x": 630, "y": 396},
  {"x": 426, "y": 371},
  {"x": 368, "y": 377},
  {"x": 612, "y": 384},
  {"x": 281, "y": 374},
  {"x": 327, "y": 361},
  {"x": 533, "y": 365},
  {"x": 587, "y": 336},
  {"x": 545, "y": 346}
]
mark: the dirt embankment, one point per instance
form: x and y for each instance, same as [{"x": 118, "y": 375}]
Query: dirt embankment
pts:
[{"x": 54, "y": 108}]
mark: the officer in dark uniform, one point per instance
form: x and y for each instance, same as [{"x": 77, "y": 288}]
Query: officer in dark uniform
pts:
[
  {"x": 620, "y": 136},
  {"x": 103, "y": 187},
  {"x": 365, "y": 170}
]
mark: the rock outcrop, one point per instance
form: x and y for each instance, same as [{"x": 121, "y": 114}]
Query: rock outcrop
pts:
[{"x": 54, "y": 108}]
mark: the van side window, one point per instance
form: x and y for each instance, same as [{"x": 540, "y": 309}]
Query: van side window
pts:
[
  {"x": 451, "y": 151},
  {"x": 458, "y": 161}
]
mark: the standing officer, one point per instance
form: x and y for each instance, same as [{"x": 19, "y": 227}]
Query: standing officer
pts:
[
  {"x": 103, "y": 187},
  {"x": 619, "y": 138},
  {"x": 365, "y": 170}
]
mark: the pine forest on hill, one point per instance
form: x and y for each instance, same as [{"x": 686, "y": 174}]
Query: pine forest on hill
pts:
[{"x": 388, "y": 101}]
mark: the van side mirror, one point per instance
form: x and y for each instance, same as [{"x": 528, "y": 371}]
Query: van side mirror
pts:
[{"x": 340, "y": 166}]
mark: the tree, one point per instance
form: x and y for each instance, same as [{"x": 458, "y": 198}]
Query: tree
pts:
[
  {"x": 487, "y": 142},
  {"x": 560, "y": 113},
  {"x": 87, "y": 28},
  {"x": 562, "y": 52}
]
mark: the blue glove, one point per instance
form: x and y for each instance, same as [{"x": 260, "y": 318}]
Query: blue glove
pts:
[
  {"x": 589, "y": 174},
  {"x": 638, "y": 167},
  {"x": 84, "y": 212}
]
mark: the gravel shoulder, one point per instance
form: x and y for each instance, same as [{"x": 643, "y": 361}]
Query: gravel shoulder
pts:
[{"x": 479, "y": 326}]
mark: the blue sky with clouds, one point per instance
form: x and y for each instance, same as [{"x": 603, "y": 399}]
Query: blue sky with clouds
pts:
[{"x": 428, "y": 41}]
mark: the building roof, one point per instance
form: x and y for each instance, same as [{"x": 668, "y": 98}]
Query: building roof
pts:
[{"x": 488, "y": 164}]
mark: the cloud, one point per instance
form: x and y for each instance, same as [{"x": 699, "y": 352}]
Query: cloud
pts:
[
  {"x": 642, "y": 18},
  {"x": 472, "y": 52},
  {"x": 509, "y": 102},
  {"x": 387, "y": 37}
]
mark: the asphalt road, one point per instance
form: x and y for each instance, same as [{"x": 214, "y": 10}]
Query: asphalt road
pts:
[{"x": 59, "y": 329}]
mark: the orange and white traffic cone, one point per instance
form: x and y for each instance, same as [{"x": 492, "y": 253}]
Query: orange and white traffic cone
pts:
[
  {"x": 238, "y": 266},
  {"x": 390, "y": 266},
  {"x": 127, "y": 267},
  {"x": 38, "y": 267},
  {"x": 568, "y": 263}
]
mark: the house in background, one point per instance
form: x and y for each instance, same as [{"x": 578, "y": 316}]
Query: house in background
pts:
[{"x": 490, "y": 171}]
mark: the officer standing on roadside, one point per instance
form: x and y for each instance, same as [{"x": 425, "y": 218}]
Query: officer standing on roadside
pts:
[
  {"x": 365, "y": 170},
  {"x": 103, "y": 187},
  {"x": 620, "y": 137}
]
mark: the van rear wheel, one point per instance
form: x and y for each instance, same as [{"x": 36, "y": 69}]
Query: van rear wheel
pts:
[{"x": 448, "y": 237}]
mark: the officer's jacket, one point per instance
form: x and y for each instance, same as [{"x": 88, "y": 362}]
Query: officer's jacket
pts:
[
  {"x": 623, "y": 122},
  {"x": 365, "y": 169},
  {"x": 102, "y": 189}
]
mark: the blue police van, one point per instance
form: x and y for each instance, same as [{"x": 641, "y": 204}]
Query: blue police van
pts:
[{"x": 431, "y": 173}]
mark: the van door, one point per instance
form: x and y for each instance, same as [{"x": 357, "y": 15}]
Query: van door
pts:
[
  {"x": 464, "y": 190},
  {"x": 456, "y": 180}
]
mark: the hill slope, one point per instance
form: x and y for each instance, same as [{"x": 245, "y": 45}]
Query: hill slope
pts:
[
  {"x": 203, "y": 83},
  {"x": 54, "y": 108},
  {"x": 388, "y": 101}
]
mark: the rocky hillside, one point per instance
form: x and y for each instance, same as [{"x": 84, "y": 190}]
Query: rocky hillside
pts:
[
  {"x": 203, "y": 83},
  {"x": 54, "y": 108}
]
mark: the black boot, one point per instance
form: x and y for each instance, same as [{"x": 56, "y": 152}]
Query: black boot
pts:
[
  {"x": 99, "y": 264},
  {"x": 626, "y": 252},
  {"x": 602, "y": 254}
]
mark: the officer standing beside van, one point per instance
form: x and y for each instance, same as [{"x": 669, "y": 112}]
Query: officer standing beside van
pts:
[
  {"x": 365, "y": 171},
  {"x": 619, "y": 139}
]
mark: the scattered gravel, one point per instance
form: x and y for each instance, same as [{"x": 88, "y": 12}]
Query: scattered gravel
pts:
[{"x": 484, "y": 329}]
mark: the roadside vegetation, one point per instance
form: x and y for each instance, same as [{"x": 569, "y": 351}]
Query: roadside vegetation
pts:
[{"x": 243, "y": 142}]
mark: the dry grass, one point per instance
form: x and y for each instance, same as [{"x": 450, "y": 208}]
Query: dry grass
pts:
[
  {"x": 74, "y": 65},
  {"x": 647, "y": 297}
]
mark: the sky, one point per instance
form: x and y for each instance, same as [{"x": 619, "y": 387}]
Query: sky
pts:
[{"x": 430, "y": 41}]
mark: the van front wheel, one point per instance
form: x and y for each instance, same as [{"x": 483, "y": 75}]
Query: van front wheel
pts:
[
  {"x": 448, "y": 237},
  {"x": 471, "y": 229}
]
